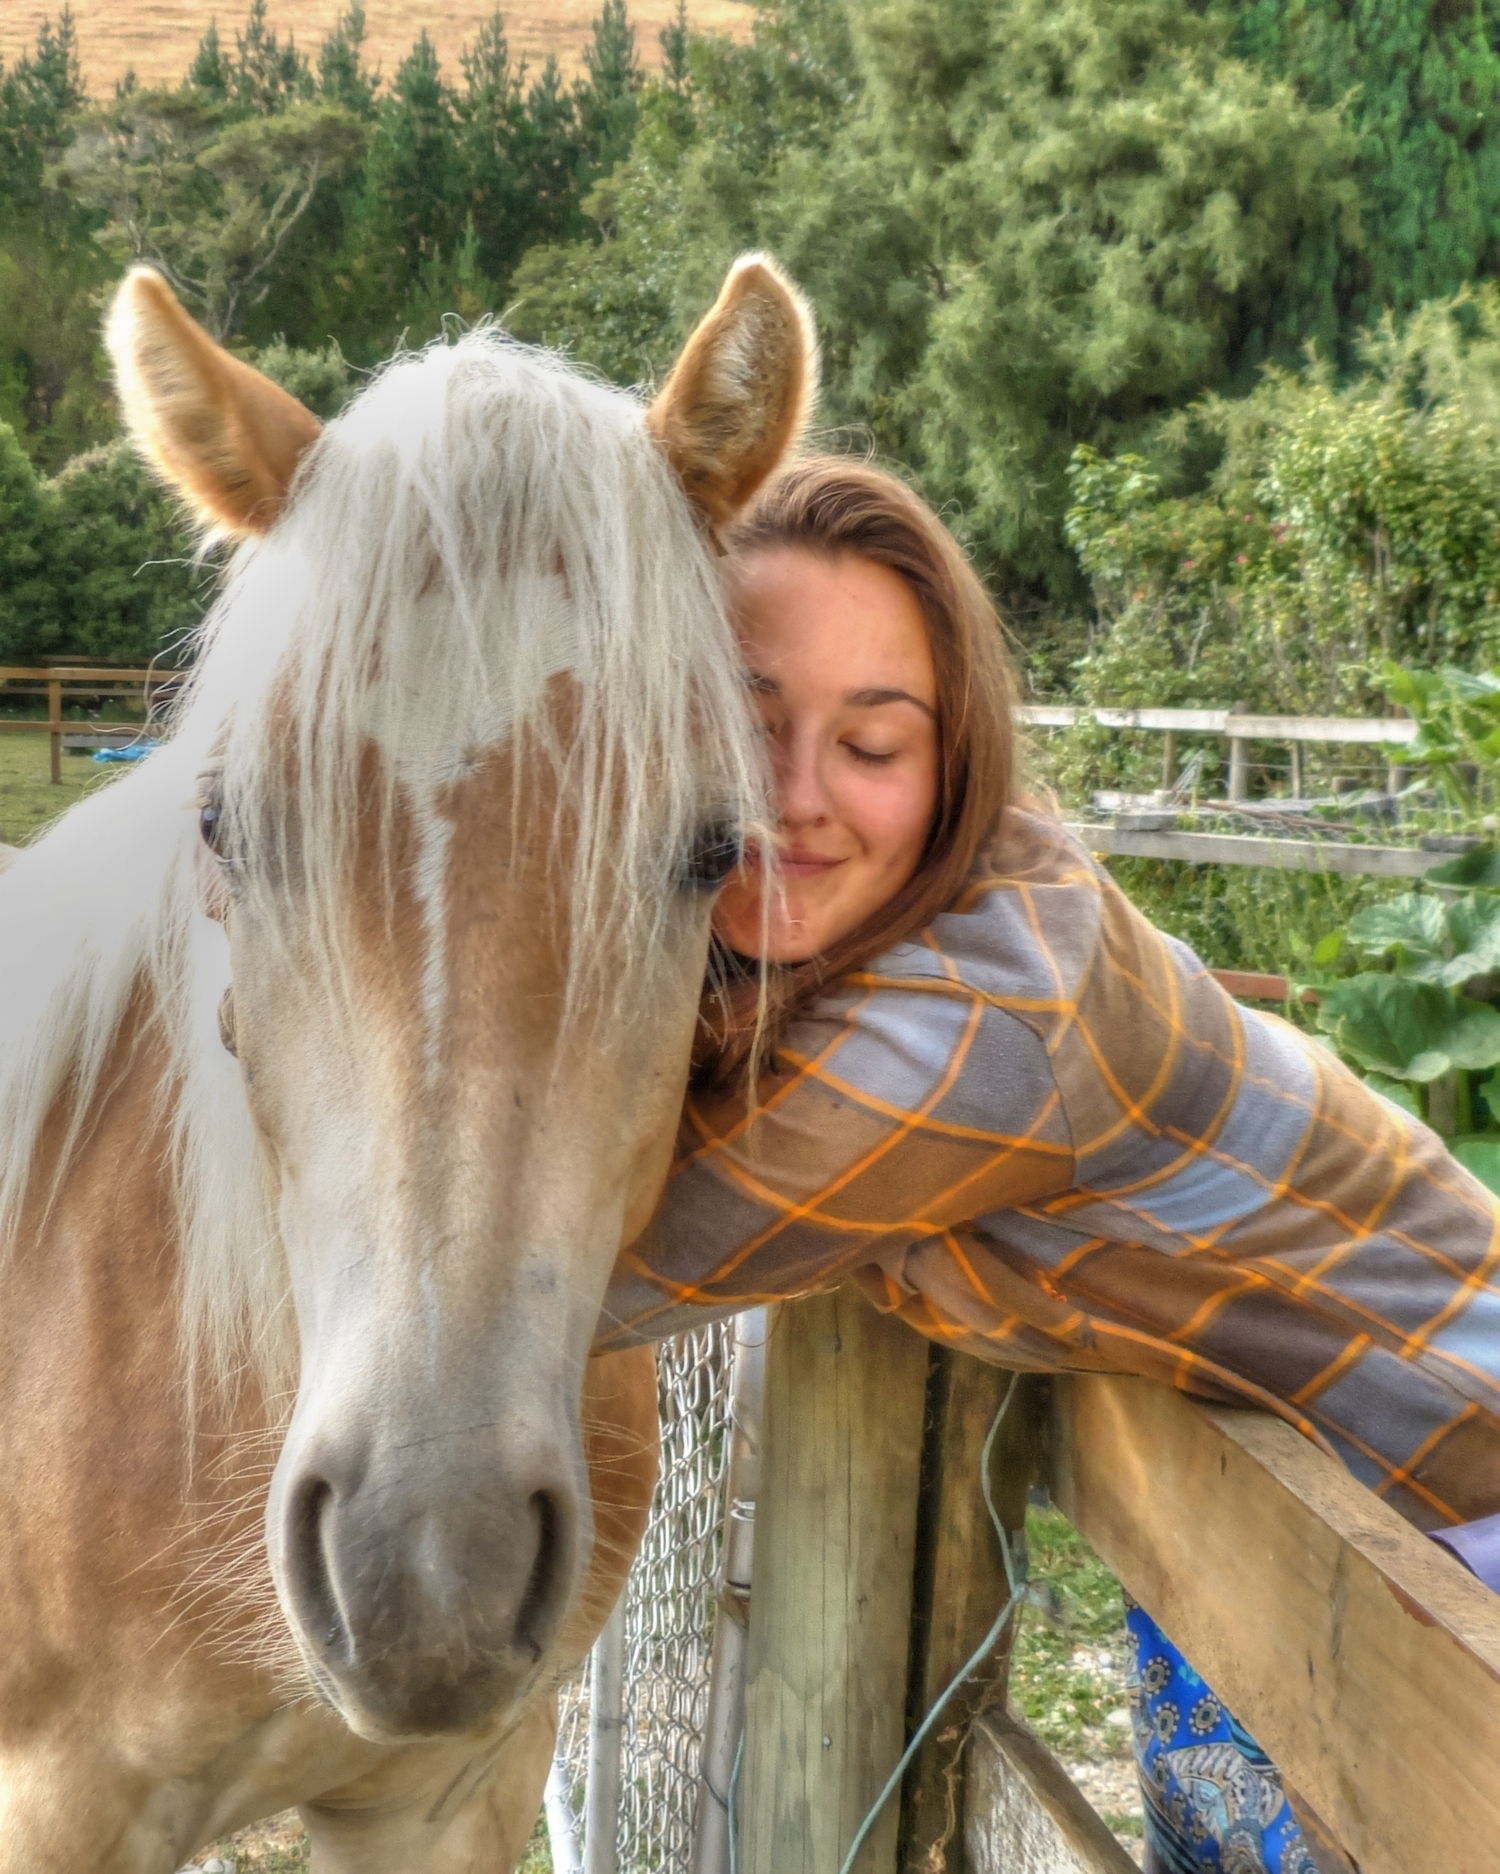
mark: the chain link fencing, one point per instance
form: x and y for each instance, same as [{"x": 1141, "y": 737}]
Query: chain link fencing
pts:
[{"x": 669, "y": 1610}]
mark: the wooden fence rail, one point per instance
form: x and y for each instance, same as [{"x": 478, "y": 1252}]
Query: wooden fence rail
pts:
[
  {"x": 1364, "y": 1658},
  {"x": 1237, "y": 728},
  {"x": 54, "y": 679},
  {"x": 1279, "y": 855}
]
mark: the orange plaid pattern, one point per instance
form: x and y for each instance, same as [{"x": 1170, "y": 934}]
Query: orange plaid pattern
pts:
[{"x": 1041, "y": 1132}]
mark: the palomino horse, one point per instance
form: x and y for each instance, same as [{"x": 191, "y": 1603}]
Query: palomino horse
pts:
[{"x": 341, "y": 1044}]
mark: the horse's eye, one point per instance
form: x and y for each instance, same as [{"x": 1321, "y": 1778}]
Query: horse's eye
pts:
[
  {"x": 211, "y": 825},
  {"x": 715, "y": 854}
]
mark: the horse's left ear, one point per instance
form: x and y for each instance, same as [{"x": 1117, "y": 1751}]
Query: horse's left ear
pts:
[
  {"x": 740, "y": 393},
  {"x": 225, "y": 437}
]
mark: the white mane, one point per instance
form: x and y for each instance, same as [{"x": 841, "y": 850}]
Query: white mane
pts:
[{"x": 480, "y": 519}]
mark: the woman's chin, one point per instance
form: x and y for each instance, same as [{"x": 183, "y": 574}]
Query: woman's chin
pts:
[{"x": 774, "y": 935}]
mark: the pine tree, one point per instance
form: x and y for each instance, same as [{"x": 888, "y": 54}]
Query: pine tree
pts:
[
  {"x": 550, "y": 163},
  {"x": 38, "y": 97},
  {"x": 342, "y": 77},
  {"x": 491, "y": 113},
  {"x": 266, "y": 75},
  {"x": 609, "y": 93},
  {"x": 413, "y": 202},
  {"x": 209, "y": 71},
  {"x": 675, "y": 39}
]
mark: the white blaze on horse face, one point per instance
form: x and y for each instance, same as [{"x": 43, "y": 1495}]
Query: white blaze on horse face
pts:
[
  {"x": 432, "y": 739},
  {"x": 448, "y": 1239}
]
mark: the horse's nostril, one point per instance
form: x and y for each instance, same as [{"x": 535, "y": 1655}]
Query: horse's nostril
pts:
[
  {"x": 537, "y": 1615},
  {"x": 312, "y": 1567}
]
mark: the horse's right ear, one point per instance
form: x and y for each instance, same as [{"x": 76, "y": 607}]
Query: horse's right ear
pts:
[
  {"x": 740, "y": 393},
  {"x": 226, "y": 438}
]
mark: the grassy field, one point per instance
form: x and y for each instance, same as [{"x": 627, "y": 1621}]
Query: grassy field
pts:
[
  {"x": 157, "y": 38},
  {"x": 280, "y": 1847},
  {"x": 28, "y": 800}
]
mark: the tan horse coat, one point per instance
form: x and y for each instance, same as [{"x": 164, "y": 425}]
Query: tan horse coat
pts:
[{"x": 157, "y": 1675}]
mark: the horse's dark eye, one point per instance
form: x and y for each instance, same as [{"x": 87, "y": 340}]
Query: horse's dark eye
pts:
[
  {"x": 211, "y": 825},
  {"x": 715, "y": 854}
]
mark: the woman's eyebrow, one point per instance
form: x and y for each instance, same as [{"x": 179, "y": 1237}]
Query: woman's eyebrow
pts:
[{"x": 873, "y": 698}]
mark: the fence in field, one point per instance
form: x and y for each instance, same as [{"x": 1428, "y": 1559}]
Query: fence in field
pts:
[
  {"x": 1366, "y": 1660},
  {"x": 1239, "y": 730},
  {"x": 61, "y": 683}
]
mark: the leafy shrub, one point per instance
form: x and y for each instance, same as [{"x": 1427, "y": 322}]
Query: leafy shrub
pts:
[{"x": 1343, "y": 527}]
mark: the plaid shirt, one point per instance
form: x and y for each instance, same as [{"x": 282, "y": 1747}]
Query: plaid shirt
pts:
[{"x": 1041, "y": 1132}]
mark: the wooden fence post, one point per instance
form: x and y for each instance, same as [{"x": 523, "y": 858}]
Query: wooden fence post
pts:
[
  {"x": 830, "y": 1617},
  {"x": 1239, "y": 768},
  {"x": 54, "y": 716},
  {"x": 961, "y": 1583}
]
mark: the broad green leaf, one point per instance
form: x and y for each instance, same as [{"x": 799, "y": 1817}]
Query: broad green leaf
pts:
[
  {"x": 1413, "y": 922},
  {"x": 1398, "y": 1092},
  {"x": 1474, "y": 871},
  {"x": 1457, "y": 970},
  {"x": 1407, "y": 1029},
  {"x": 1479, "y": 1153},
  {"x": 1474, "y": 929}
]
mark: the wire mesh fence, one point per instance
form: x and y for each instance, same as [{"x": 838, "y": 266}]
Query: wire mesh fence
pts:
[{"x": 669, "y": 1610}]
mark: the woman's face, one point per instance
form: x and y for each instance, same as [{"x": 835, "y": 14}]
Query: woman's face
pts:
[{"x": 841, "y": 668}]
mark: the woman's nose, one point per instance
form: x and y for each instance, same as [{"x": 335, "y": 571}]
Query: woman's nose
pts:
[{"x": 801, "y": 783}]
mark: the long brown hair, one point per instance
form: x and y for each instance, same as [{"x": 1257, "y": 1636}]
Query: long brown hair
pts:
[{"x": 832, "y": 505}]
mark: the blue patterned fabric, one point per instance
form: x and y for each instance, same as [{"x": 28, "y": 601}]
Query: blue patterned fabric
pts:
[{"x": 1213, "y": 1799}]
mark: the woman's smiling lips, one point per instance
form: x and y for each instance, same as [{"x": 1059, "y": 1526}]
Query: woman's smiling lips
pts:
[{"x": 794, "y": 861}]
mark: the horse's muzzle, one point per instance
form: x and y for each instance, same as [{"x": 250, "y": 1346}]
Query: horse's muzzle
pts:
[{"x": 426, "y": 1611}]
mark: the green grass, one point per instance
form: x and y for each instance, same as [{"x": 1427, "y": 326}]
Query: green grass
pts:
[
  {"x": 294, "y": 1859},
  {"x": 28, "y": 799},
  {"x": 1066, "y": 1670}
]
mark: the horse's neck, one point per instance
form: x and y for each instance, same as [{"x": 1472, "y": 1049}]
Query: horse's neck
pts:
[{"x": 95, "y": 1262}]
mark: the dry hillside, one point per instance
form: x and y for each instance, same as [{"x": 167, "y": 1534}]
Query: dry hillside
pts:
[{"x": 158, "y": 37}]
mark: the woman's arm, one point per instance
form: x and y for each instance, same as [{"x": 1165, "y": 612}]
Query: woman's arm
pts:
[{"x": 896, "y": 1112}]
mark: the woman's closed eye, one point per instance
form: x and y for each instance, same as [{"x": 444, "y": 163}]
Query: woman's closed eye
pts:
[{"x": 873, "y": 757}]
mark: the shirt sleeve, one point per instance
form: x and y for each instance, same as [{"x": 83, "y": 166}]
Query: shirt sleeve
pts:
[{"x": 896, "y": 1111}]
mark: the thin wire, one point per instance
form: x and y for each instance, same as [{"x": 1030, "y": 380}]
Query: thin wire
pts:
[
  {"x": 734, "y": 1820},
  {"x": 1015, "y": 1581}
]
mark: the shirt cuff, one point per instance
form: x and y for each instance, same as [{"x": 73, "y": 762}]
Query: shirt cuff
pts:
[{"x": 1477, "y": 1546}]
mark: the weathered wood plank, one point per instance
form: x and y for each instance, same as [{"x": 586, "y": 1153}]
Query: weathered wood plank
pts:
[
  {"x": 1288, "y": 855},
  {"x": 961, "y": 1584},
  {"x": 1024, "y": 1814},
  {"x": 1363, "y": 1657},
  {"x": 1372, "y": 731},
  {"x": 830, "y": 1615}
]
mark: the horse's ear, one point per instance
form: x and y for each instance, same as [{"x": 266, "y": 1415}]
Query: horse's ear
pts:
[
  {"x": 740, "y": 393},
  {"x": 226, "y": 438}
]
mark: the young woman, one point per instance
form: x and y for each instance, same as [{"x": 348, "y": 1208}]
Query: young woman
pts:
[{"x": 1028, "y": 1122}]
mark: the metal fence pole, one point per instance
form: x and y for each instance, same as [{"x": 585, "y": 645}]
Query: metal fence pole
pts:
[
  {"x": 724, "y": 1725},
  {"x": 562, "y": 1835},
  {"x": 606, "y": 1741}
]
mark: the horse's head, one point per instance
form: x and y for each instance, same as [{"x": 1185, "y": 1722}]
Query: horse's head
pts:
[{"x": 477, "y": 755}]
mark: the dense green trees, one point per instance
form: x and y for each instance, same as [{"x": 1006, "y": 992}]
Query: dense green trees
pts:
[
  {"x": 1420, "y": 80},
  {"x": 1028, "y": 227}
]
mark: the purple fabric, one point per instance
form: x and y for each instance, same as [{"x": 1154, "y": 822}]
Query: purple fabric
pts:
[{"x": 1477, "y": 1546}]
